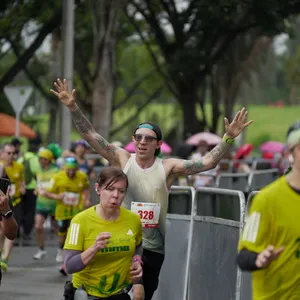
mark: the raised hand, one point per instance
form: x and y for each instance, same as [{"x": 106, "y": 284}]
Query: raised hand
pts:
[
  {"x": 61, "y": 91},
  {"x": 238, "y": 123},
  {"x": 268, "y": 255},
  {"x": 102, "y": 240}
]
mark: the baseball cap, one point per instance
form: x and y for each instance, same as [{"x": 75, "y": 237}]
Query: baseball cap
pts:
[
  {"x": 293, "y": 139},
  {"x": 293, "y": 127},
  {"x": 71, "y": 162},
  {"x": 45, "y": 153}
]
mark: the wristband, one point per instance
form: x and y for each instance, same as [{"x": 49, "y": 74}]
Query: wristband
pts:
[
  {"x": 228, "y": 140},
  {"x": 139, "y": 259}
]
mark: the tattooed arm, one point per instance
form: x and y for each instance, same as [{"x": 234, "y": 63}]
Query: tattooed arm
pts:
[
  {"x": 209, "y": 161},
  {"x": 110, "y": 152},
  {"x": 116, "y": 156}
]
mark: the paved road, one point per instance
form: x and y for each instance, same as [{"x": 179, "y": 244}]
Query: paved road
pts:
[{"x": 27, "y": 279}]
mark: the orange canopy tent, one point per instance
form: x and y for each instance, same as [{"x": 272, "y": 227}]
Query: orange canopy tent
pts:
[{"x": 8, "y": 127}]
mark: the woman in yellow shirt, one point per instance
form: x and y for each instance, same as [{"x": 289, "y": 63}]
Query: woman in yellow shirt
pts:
[{"x": 104, "y": 243}]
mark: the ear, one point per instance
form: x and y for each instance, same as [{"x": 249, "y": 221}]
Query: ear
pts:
[
  {"x": 159, "y": 143},
  {"x": 132, "y": 139},
  {"x": 97, "y": 188}
]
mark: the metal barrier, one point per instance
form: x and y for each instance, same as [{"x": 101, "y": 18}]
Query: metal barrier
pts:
[
  {"x": 217, "y": 236},
  {"x": 175, "y": 270},
  {"x": 235, "y": 181},
  {"x": 259, "y": 179},
  {"x": 246, "y": 280},
  {"x": 211, "y": 241}
]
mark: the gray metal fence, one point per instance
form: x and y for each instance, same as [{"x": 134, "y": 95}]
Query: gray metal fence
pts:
[
  {"x": 246, "y": 279},
  {"x": 175, "y": 270},
  {"x": 200, "y": 250}
]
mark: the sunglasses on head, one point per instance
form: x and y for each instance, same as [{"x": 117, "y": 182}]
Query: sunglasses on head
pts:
[
  {"x": 71, "y": 160},
  {"x": 147, "y": 138}
]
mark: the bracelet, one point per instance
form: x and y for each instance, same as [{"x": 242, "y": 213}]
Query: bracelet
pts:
[
  {"x": 139, "y": 259},
  {"x": 228, "y": 140}
]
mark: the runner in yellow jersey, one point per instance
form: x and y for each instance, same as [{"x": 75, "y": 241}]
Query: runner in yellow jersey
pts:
[
  {"x": 44, "y": 207},
  {"x": 270, "y": 244},
  {"x": 67, "y": 187},
  {"x": 15, "y": 173},
  {"x": 104, "y": 243}
]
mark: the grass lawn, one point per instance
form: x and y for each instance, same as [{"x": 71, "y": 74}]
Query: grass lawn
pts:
[{"x": 270, "y": 123}]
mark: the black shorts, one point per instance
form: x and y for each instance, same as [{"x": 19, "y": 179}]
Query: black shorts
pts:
[
  {"x": 43, "y": 213},
  {"x": 152, "y": 263},
  {"x": 63, "y": 226}
]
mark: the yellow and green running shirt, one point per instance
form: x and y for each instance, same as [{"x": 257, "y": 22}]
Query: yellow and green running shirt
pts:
[
  {"x": 43, "y": 181},
  {"x": 73, "y": 189},
  {"x": 15, "y": 173},
  {"x": 109, "y": 272},
  {"x": 274, "y": 220}
]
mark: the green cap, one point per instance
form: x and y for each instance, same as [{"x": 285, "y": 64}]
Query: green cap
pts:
[{"x": 55, "y": 149}]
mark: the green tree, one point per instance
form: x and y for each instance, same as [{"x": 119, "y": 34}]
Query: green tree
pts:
[{"x": 194, "y": 36}]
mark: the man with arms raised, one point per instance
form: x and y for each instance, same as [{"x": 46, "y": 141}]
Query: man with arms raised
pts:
[{"x": 150, "y": 177}]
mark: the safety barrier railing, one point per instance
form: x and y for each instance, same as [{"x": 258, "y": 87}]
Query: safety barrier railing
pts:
[
  {"x": 180, "y": 219},
  {"x": 246, "y": 288},
  {"x": 261, "y": 178}
]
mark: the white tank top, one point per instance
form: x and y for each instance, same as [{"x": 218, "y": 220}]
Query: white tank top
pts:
[{"x": 149, "y": 186}]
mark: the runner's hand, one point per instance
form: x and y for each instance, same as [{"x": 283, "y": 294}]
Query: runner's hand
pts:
[
  {"x": 4, "y": 202},
  {"x": 61, "y": 91},
  {"x": 238, "y": 123},
  {"x": 268, "y": 255},
  {"x": 136, "y": 271},
  {"x": 102, "y": 240}
]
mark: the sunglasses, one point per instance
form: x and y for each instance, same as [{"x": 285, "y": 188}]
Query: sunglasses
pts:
[{"x": 147, "y": 138}]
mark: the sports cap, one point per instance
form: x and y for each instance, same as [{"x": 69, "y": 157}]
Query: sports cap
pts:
[
  {"x": 46, "y": 153},
  {"x": 70, "y": 162},
  {"x": 293, "y": 139}
]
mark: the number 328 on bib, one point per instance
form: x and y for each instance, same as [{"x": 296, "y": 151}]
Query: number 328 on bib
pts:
[{"x": 148, "y": 212}]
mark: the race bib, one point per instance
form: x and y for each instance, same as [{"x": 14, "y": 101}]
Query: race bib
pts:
[
  {"x": 12, "y": 190},
  {"x": 43, "y": 185},
  {"x": 148, "y": 212},
  {"x": 71, "y": 199}
]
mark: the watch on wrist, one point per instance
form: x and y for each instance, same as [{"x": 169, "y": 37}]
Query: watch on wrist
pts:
[
  {"x": 139, "y": 259},
  {"x": 228, "y": 140},
  {"x": 7, "y": 215}
]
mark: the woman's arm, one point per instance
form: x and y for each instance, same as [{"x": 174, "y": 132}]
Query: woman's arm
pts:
[
  {"x": 246, "y": 260},
  {"x": 76, "y": 261}
]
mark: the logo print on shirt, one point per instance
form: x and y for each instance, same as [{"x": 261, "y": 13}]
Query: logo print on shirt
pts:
[{"x": 129, "y": 232}]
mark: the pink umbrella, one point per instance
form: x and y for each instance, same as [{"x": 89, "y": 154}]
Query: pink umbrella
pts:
[
  {"x": 165, "y": 148},
  {"x": 272, "y": 146},
  {"x": 210, "y": 138}
]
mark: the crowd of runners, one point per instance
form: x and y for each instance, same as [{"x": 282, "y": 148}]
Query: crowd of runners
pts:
[{"x": 117, "y": 245}]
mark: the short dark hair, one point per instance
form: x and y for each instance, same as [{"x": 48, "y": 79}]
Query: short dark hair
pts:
[
  {"x": 16, "y": 142},
  {"x": 155, "y": 128},
  {"x": 110, "y": 175}
]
